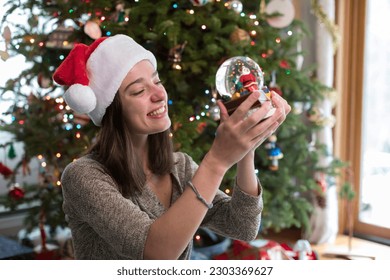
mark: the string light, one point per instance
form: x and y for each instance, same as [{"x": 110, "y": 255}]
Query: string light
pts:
[
  {"x": 176, "y": 66},
  {"x": 277, "y": 40},
  {"x": 227, "y": 191},
  {"x": 68, "y": 126},
  {"x": 203, "y": 26},
  {"x": 58, "y": 183},
  {"x": 58, "y": 155}
]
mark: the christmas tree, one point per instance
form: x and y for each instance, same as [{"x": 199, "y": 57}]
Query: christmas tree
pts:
[{"x": 190, "y": 39}]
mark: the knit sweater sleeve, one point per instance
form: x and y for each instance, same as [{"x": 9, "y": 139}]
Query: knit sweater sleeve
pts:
[
  {"x": 91, "y": 199},
  {"x": 237, "y": 216}
]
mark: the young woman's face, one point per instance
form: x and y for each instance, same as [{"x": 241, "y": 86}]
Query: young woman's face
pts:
[{"x": 144, "y": 100}]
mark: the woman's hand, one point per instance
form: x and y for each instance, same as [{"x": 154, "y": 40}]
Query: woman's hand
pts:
[
  {"x": 239, "y": 133},
  {"x": 282, "y": 110}
]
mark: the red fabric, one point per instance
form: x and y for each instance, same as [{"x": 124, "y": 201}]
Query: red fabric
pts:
[
  {"x": 241, "y": 250},
  {"x": 5, "y": 171},
  {"x": 311, "y": 256},
  {"x": 73, "y": 70}
]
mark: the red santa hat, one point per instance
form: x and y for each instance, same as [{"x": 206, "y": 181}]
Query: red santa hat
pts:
[{"x": 94, "y": 73}]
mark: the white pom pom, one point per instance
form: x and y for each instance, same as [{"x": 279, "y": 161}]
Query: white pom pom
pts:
[{"x": 80, "y": 98}]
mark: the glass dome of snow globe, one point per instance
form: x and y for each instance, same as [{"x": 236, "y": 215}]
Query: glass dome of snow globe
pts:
[{"x": 236, "y": 78}]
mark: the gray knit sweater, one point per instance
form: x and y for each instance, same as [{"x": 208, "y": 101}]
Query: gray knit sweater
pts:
[{"x": 105, "y": 225}]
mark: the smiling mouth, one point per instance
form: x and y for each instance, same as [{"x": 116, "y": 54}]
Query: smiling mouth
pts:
[{"x": 157, "y": 112}]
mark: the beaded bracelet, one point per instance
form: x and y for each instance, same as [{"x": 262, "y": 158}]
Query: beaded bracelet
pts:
[{"x": 198, "y": 196}]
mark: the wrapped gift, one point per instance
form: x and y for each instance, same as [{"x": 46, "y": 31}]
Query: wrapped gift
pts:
[{"x": 262, "y": 250}]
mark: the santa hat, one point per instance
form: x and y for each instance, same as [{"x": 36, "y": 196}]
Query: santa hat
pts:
[{"x": 94, "y": 73}]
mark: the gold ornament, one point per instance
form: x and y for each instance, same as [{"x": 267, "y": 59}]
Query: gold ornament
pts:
[
  {"x": 236, "y": 95},
  {"x": 239, "y": 35},
  {"x": 175, "y": 55}
]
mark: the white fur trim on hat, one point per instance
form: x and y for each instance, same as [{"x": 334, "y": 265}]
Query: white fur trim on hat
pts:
[{"x": 80, "y": 98}]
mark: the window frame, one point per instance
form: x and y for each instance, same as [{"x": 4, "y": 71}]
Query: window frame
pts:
[{"x": 351, "y": 18}]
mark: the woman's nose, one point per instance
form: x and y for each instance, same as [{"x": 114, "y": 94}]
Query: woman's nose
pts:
[{"x": 158, "y": 93}]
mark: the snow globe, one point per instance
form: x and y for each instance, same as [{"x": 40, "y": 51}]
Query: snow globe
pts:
[{"x": 236, "y": 78}]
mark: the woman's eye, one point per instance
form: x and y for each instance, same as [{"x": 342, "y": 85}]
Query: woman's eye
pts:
[
  {"x": 158, "y": 82},
  {"x": 138, "y": 92}
]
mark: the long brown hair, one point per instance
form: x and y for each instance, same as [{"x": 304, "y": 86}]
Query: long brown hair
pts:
[{"x": 114, "y": 149}]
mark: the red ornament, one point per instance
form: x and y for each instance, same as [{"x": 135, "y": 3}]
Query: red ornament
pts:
[
  {"x": 201, "y": 126},
  {"x": 277, "y": 90},
  {"x": 16, "y": 192},
  {"x": 284, "y": 64},
  {"x": 5, "y": 171}
]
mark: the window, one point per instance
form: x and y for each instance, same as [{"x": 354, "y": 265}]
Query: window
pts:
[{"x": 362, "y": 133}]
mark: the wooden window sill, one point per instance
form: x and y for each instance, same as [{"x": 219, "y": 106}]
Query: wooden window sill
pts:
[{"x": 337, "y": 250}]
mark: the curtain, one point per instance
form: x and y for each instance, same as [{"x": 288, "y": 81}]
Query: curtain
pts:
[{"x": 324, "y": 219}]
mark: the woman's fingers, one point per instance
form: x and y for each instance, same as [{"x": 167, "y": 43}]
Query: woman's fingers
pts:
[
  {"x": 242, "y": 110},
  {"x": 223, "y": 113}
]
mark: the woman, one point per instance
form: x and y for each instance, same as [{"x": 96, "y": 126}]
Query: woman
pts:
[{"x": 132, "y": 197}]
